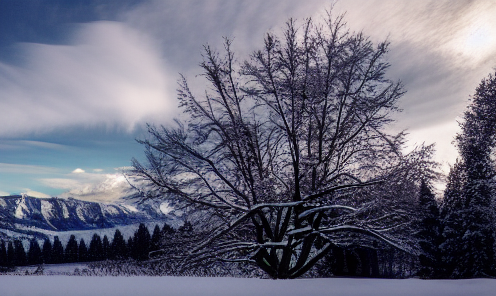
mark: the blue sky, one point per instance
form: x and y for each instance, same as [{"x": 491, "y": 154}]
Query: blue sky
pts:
[{"x": 79, "y": 79}]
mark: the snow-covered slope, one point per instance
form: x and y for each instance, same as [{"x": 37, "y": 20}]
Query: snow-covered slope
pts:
[{"x": 21, "y": 212}]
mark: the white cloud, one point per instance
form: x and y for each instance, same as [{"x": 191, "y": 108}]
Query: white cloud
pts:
[
  {"x": 109, "y": 74},
  {"x": 33, "y": 193},
  {"x": 91, "y": 186},
  {"x": 3, "y": 193},
  {"x": 97, "y": 170},
  {"x": 61, "y": 183},
  {"x": 78, "y": 171}
]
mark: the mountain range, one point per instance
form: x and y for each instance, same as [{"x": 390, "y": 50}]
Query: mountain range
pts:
[{"x": 24, "y": 214}]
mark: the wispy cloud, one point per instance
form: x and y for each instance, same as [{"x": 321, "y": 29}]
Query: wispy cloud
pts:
[
  {"x": 109, "y": 74},
  {"x": 28, "y": 144},
  {"x": 10, "y": 168}
]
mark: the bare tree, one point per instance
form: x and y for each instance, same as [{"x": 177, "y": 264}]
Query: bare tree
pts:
[{"x": 285, "y": 156}]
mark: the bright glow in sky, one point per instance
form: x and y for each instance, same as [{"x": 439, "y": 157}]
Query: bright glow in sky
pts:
[{"x": 79, "y": 82}]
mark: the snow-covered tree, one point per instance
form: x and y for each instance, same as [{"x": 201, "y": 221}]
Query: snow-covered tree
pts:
[
  {"x": 428, "y": 235},
  {"x": 452, "y": 220},
  {"x": 476, "y": 144},
  {"x": 285, "y": 156}
]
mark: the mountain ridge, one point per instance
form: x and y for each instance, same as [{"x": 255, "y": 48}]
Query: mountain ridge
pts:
[{"x": 21, "y": 212}]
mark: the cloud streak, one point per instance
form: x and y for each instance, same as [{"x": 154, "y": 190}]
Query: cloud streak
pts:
[
  {"x": 9, "y": 168},
  {"x": 109, "y": 75}
]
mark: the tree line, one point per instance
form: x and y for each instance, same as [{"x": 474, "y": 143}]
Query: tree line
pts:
[
  {"x": 137, "y": 247},
  {"x": 458, "y": 237}
]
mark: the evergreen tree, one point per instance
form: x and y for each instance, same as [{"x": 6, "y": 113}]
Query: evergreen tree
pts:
[
  {"x": 71, "y": 250},
  {"x": 476, "y": 143},
  {"x": 57, "y": 251},
  {"x": 10, "y": 255},
  {"x": 105, "y": 248},
  {"x": 47, "y": 251},
  {"x": 141, "y": 243},
  {"x": 3, "y": 254},
  {"x": 96, "y": 248},
  {"x": 452, "y": 220},
  {"x": 20, "y": 258},
  {"x": 118, "y": 247},
  {"x": 167, "y": 231},
  {"x": 131, "y": 251},
  {"x": 156, "y": 239},
  {"x": 82, "y": 251},
  {"x": 429, "y": 233},
  {"x": 34, "y": 253}
]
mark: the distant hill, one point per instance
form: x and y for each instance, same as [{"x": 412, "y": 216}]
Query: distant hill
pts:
[{"x": 31, "y": 215}]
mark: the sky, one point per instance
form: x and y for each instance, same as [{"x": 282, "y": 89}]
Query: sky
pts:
[{"x": 79, "y": 80}]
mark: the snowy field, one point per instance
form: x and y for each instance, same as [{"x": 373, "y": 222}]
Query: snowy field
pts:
[{"x": 171, "y": 286}]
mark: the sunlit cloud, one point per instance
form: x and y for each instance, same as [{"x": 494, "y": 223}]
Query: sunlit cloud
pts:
[
  {"x": 78, "y": 171},
  {"x": 91, "y": 186},
  {"x": 33, "y": 193},
  {"x": 109, "y": 74}
]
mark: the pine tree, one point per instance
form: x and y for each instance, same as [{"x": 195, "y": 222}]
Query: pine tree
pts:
[
  {"x": 71, "y": 250},
  {"x": 3, "y": 254},
  {"x": 476, "y": 143},
  {"x": 141, "y": 243},
  {"x": 156, "y": 239},
  {"x": 47, "y": 251},
  {"x": 105, "y": 248},
  {"x": 20, "y": 258},
  {"x": 82, "y": 251},
  {"x": 96, "y": 248},
  {"x": 452, "y": 220},
  {"x": 118, "y": 247},
  {"x": 34, "y": 253},
  {"x": 429, "y": 233},
  {"x": 167, "y": 231},
  {"x": 10, "y": 255},
  {"x": 131, "y": 251},
  {"x": 57, "y": 251}
]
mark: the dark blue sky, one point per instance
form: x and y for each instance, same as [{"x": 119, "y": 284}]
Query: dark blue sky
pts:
[{"x": 79, "y": 79}]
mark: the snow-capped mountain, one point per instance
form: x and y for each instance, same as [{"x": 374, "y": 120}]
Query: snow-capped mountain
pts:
[{"x": 56, "y": 214}]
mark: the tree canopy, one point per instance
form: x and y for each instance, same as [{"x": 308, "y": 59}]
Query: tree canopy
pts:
[{"x": 285, "y": 155}]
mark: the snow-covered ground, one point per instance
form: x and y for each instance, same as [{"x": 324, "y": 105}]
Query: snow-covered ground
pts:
[{"x": 171, "y": 286}]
